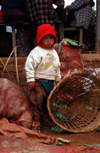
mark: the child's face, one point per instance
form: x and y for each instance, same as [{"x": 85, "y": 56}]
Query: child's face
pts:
[{"x": 48, "y": 40}]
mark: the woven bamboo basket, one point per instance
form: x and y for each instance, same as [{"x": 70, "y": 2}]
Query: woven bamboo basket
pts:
[{"x": 74, "y": 103}]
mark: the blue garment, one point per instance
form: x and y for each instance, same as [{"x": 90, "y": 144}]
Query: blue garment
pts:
[{"x": 47, "y": 84}]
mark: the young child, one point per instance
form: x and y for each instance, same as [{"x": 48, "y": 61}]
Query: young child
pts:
[{"x": 42, "y": 70}]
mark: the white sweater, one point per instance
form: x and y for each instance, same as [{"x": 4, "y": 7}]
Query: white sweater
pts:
[{"x": 44, "y": 64}]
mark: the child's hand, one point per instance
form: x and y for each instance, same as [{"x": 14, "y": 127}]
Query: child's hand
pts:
[{"x": 31, "y": 84}]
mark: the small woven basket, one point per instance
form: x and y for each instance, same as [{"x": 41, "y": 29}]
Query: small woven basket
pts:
[{"x": 74, "y": 104}]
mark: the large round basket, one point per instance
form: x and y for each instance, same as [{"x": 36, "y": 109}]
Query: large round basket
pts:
[{"x": 74, "y": 104}]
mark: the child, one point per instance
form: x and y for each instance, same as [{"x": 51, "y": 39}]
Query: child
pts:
[{"x": 42, "y": 70}]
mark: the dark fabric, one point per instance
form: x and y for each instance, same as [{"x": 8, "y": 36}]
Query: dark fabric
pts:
[
  {"x": 14, "y": 10},
  {"x": 92, "y": 3},
  {"x": 47, "y": 84},
  {"x": 85, "y": 5},
  {"x": 60, "y": 9},
  {"x": 51, "y": 1},
  {"x": 1, "y": 18},
  {"x": 38, "y": 98},
  {"x": 24, "y": 41},
  {"x": 41, "y": 11},
  {"x": 59, "y": 3},
  {"x": 1, "y": 1},
  {"x": 82, "y": 15},
  {"x": 71, "y": 14}
]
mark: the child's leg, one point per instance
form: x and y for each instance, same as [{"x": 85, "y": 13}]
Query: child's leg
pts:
[
  {"x": 37, "y": 96},
  {"x": 36, "y": 126}
]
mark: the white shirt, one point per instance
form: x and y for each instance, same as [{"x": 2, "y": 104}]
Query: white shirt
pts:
[{"x": 44, "y": 64}]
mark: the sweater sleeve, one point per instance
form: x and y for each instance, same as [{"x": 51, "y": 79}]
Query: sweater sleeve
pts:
[
  {"x": 58, "y": 73},
  {"x": 30, "y": 65},
  {"x": 75, "y": 5}
]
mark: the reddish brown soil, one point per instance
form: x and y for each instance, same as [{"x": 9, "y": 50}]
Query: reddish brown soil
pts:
[{"x": 79, "y": 139}]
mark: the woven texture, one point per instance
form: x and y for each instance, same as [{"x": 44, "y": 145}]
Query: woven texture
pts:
[{"x": 74, "y": 103}]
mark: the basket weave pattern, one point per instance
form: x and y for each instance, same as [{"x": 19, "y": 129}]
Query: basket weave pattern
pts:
[{"x": 75, "y": 102}]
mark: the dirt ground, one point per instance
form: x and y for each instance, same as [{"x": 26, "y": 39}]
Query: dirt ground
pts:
[{"x": 79, "y": 139}]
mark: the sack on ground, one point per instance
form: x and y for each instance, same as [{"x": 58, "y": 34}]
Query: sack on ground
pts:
[{"x": 14, "y": 103}]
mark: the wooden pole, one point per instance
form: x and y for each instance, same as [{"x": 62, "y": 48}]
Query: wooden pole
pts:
[
  {"x": 15, "y": 52},
  {"x": 98, "y": 26}
]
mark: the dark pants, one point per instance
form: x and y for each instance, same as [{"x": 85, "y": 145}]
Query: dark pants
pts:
[{"x": 38, "y": 98}]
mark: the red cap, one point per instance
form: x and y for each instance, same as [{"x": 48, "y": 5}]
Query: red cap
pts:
[{"x": 44, "y": 30}]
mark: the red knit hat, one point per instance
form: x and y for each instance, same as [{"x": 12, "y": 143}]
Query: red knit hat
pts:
[{"x": 44, "y": 30}]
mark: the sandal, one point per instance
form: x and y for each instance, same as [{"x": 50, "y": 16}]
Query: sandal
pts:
[{"x": 36, "y": 129}]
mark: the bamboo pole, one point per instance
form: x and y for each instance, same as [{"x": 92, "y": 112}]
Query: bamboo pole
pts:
[
  {"x": 15, "y": 51},
  {"x": 5, "y": 68},
  {"x": 92, "y": 57},
  {"x": 8, "y": 60}
]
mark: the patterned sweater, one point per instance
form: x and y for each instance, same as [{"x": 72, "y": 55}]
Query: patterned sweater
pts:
[
  {"x": 82, "y": 15},
  {"x": 42, "y": 11}
]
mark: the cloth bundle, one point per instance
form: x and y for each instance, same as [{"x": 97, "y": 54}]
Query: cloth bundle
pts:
[{"x": 14, "y": 104}]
